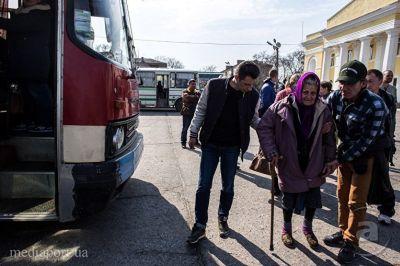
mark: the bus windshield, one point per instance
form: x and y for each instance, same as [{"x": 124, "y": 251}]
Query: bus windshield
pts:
[{"x": 99, "y": 26}]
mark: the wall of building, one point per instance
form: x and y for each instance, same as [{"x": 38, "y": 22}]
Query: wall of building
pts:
[
  {"x": 363, "y": 27},
  {"x": 396, "y": 71},
  {"x": 355, "y": 9}
]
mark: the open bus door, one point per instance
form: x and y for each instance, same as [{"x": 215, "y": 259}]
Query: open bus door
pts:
[
  {"x": 92, "y": 147},
  {"x": 28, "y": 161},
  {"x": 162, "y": 92}
]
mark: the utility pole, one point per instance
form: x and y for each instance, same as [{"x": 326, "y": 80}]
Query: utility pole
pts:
[{"x": 276, "y": 45}]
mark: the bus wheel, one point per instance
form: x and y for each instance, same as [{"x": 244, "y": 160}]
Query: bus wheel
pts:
[{"x": 178, "y": 104}]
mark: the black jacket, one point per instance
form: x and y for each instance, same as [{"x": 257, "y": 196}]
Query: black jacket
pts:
[
  {"x": 28, "y": 36},
  {"x": 217, "y": 93}
]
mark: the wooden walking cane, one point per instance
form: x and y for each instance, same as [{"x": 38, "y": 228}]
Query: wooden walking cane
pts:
[
  {"x": 273, "y": 180},
  {"x": 271, "y": 239},
  {"x": 276, "y": 45}
]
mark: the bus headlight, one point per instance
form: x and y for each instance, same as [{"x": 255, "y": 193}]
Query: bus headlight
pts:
[{"x": 118, "y": 138}]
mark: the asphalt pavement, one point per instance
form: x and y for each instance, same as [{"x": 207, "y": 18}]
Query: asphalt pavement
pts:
[{"x": 149, "y": 222}]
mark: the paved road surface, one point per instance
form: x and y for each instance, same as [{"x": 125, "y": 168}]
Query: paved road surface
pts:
[{"x": 148, "y": 224}]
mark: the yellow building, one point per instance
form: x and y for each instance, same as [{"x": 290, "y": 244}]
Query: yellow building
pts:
[{"x": 366, "y": 30}]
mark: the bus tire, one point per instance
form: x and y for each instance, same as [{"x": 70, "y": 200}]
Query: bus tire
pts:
[{"x": 178, "y": 104}]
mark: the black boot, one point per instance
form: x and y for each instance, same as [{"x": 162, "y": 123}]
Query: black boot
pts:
[
  {"x": 335, "y": 240},
  {"x": 197, "y": 234},
  {"x": 347, "y": 253},
  {"x": 223, "y": 227}
]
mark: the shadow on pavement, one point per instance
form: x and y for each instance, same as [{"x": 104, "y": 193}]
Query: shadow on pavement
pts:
[
  {"x": 248, "y": 156},
  {"x": 328, "y": 214},
  {"x": 253, "y": 249},
  {"x": 227, "y": 259},
  {"x": 314, "y": 257},
  {"x": 260, "y": 181},
  {"x": 139, "y": 227}
]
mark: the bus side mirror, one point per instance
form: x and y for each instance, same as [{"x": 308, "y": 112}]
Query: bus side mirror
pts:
[{"x": 140, "y": 81}]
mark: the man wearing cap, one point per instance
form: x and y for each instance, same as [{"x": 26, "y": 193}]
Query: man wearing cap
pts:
[
  {"x": 190, "y": 97},
  {"x": 359, "y": 117}
]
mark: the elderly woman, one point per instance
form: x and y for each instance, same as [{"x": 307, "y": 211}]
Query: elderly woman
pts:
[
  {"x": 292, "y": 138},
  {"x": 290, "y": 87}
]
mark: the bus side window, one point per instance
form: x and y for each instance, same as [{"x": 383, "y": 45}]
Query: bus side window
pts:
[{"x": 172, "y": 80}]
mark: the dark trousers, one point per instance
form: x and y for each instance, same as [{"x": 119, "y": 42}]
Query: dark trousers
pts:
[
  {"x": 186, "y": 120},
  {"x": 37, "y": 102},
  {"x": 381, "y": 191},
  {"x": 210, "y": 157}
]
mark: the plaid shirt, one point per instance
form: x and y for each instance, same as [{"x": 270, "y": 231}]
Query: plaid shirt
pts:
[{"x": 362, "y": 121}]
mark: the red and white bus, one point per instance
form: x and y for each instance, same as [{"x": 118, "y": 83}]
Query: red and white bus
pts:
[{"x": 94, "y": 147}]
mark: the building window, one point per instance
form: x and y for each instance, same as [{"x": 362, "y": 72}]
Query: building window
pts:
[
  {"x": 398, "y": 46},
  {"x": 349, "y": 55},
  {"x": 332, "y": 60},
  {"x": 371, "y": 52},
  {"x": 312, "y": 64}
]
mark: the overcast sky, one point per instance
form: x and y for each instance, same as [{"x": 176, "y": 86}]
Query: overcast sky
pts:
[{"x": 224, "y": 21}]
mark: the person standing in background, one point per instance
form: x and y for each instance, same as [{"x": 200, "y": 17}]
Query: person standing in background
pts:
[
  {"x": 190, "y": 97},
  {"x": 267, "y": 92},
  {"x": 381, "y": 191}
]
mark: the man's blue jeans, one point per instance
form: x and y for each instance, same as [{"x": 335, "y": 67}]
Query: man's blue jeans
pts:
[{"x": 210, "y": 157}]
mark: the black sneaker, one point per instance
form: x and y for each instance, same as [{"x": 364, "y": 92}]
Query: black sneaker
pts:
[
  {"x": 347, "y": 253},
  {"x": 183, "y": 145},
  {"x": 197, "y": 234},
  {"x": 335, "y": 240},
  {"x": 223, "y": 227}
]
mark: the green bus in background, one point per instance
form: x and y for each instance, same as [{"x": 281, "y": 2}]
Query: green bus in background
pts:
[
  {"x": 173, "y": 82},
  {"x": 204, "y": 77}
]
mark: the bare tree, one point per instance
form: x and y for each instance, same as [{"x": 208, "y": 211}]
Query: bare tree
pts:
[
  {"x": 210, "y": 68},
  {"x": 293, "y": 62},
  {"x": 265, "y": 62},
  {"x": 171, "y": 62},
  {"x": 288, "y": 64}
]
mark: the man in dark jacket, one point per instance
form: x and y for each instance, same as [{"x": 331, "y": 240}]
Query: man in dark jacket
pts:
[
  {"x": 359, "y": 116},
  {"x": 226, "y": 110},
  {"x": 267, "y": 98},
  {"x": 381, "y": 191},
  {"x": 190, "y": 97},
  {"x": 268, "y": 92},
  {"x": 391, "y": 90},
  {"x": 28, "y": 37}
]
